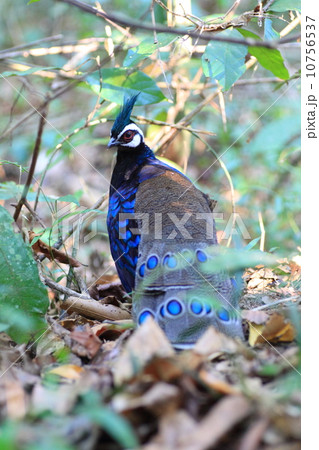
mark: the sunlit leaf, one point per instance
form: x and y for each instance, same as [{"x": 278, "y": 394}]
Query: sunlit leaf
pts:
[
  {"x": 120, "y": 83},
  {"x": 147, "y": 48},
  {"x": 269, "y": 58}
]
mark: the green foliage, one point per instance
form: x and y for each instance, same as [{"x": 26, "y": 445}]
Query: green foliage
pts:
[
  {"x": 118, "y": 83},
  {"x": 286, "y": 5},
  {"x": 146, "y": 48},
  {"x": 269, "y": 32},
  {"x": 115, "y": 425},
  {"x": 23, "y": 298},
  {"x": 269, "y": 58},
  {"x": 10, "y": 189},
  {"x": 224, "y": 62}
]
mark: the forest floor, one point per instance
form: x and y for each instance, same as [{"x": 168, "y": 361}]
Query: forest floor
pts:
[{"x": 74, "y": 386}]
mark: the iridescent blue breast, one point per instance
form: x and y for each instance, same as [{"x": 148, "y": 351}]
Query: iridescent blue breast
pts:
[{"x": 123, "y": 241}]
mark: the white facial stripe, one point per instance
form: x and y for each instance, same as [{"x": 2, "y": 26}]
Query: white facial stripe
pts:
[
  {"x": 131, "y": 126},
  {"x": 135, "y": 142}
]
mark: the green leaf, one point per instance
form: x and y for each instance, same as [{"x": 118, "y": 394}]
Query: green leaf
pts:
[
  {"x": 32, "y": 1},
  {"x": 269, "y": 58},
  {"x": 269, "y": 32},
  {"x": 270, "y": 370},
  {"x": 286, "y": 5},
  {"x": 117, "y": 83},
  {"x": 252, "y": 243},
  {"x": 72, "y": 198},
  {"x": 23, "y": 298},
  {"x": 147, "y": 48},
  {"x": 115, "y": 425},
  {"x": 10, "y": 189},
  {"x": 224, "y": 62}
]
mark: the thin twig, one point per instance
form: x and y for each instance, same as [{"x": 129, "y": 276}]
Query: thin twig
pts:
[
  {"x": 33, "y": 111},
  {"x": 63, "y": 290},
  {"x": 82, "y": 285},
  {"x": 168, "y": 137},
  {"x": 35, "y": 155},
  {"x": 277, "y": 302},
  {"x": 178, "y": 31},
  {"x": 33, "y": 213},
  {"x": 57, "y": 37},
  {"x": 231, "y": 186},
  {"x": 144, "y": 120},
  {"x": 204, "y": 86}
]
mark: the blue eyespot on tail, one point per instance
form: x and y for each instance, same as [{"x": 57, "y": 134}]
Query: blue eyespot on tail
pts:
[
  {"x": 223, "y": 314},
  {"x": 201, "y": 256},
  {"x": 174, "y": 307},
  {"x": 196, "y": 307},
  {"x": 144, "y": 315},
  {"x": 170, "y": 261},
  {"x": 152, "y": 262},
  {"x": 142, "y": 270}
]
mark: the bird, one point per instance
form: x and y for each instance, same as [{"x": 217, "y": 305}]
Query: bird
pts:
[{"x": 162, "y": 238}]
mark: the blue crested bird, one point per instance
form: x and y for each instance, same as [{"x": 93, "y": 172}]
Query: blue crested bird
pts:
[{"x": 163, "y": 238}]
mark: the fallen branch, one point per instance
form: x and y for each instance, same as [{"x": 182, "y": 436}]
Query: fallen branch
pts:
[{"x": 93, "y": 309}]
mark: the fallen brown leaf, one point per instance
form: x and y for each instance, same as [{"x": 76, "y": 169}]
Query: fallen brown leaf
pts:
[
  {"x": 70, "y": 371},
  {"x": 276, "y": 329},
  {"x": 179, "y": 431},
  {"x": 145, "y": 343},
  {"x": 159, "y": 399},
  {"x": 15, "y": 399},
  {"x": 257, "y": 317},
  {"x": 89, "y": 341},
  {"x": 216, "y": 383},
  {"x": 40, "y": 247},
  {"x": 213, "y": 341},
  {"x": 220, "y": 420}
]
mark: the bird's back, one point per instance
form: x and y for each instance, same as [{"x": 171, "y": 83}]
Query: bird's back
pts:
[{"x": 173, "y": 282}]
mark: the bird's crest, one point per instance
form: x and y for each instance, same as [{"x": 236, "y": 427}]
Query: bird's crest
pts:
[{"x": 124, "y": 116}]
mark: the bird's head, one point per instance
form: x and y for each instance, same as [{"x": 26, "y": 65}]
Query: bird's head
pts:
[{"x": 125, "y": 132}]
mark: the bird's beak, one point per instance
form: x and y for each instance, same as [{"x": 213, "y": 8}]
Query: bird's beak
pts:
[{"x": 112, "y": 143}]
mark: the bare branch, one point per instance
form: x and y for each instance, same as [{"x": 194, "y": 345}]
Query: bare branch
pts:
[
  {"x": 178, "y": 31},
  {"x": 35, "y": 155}
]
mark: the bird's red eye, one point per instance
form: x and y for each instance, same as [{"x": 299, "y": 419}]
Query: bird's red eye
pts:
[{"x": 128, "y": 135}]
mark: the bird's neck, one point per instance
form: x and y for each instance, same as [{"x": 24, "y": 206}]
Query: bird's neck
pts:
[{"x": 128, "y": 161}]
